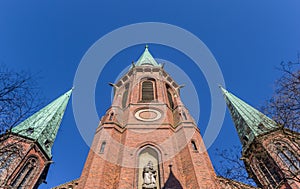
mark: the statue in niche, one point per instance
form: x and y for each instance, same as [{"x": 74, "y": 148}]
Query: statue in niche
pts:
[{"x": 149, "y": 176}]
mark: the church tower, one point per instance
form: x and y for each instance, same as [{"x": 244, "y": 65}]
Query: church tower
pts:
[
  {"x": 25, "y": 150},
  {"x": 271, "y": 153},
  {"x": 147, "y": 139}
]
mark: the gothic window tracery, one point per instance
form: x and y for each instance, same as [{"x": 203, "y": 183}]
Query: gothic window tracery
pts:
[
  {"x": 26, "y": 174},
  {"x": 269, "y": 170},
  {"x": 6, "y": 159},
  {"x": 288, "y": 157}
]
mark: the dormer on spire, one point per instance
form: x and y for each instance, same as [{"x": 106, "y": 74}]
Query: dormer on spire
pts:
[
  {"x": 146, "y": 59},
  {"x": 249, "y": 122},
  {"x": 42, "y": 126}
]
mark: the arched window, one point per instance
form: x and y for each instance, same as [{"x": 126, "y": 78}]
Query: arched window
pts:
[
  {"x": 125, "y": 96},
  {"x": 148, "y": 90},
  {"x": 288, "y": 157},
  {"x": 25, "y": 176},
  {"x": 194, "y": 146},
  {"x": 170, "y": 97},
  {"x": 102, "y": 148}
]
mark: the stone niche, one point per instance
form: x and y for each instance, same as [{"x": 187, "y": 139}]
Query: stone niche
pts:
[{"x": 148, "y": 169}]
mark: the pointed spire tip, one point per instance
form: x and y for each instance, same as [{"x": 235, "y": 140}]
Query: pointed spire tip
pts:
[{"x": 146, "y": 59}]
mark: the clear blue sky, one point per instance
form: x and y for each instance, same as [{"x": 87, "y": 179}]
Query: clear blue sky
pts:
[{"x": 248, "y": 39}]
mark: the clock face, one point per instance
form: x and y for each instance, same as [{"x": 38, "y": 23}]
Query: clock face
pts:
[{"x": 147, "y": 115}]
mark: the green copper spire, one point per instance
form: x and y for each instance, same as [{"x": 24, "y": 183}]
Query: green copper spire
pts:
[
  {"x": 146, "y": 59},
  {"x": 248, "y": 121},
  {"x": 43, "y": 125}
]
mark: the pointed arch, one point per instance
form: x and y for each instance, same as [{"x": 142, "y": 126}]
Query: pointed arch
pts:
[
  {"x": 268, "y": 170},
  {"x": 26, "y": 174},
  {"x": 170, "y": 96},
  {"x": 7, "y": 159},
  {"x": 148, "y": 156}
]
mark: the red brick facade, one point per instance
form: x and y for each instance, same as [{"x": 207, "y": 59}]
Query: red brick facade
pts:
[
  {"x": 148, "y": 140},
  {"x": 161, "y": 126},
  {"x": 275, "y": 151},
  {"x": 26, "y": 165}
]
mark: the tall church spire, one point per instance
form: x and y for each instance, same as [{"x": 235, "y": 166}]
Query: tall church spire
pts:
[
  {"x": 248, "y": 121},
  {"x": 146, "y": 59},
  {"x": 43, "y": 125}
]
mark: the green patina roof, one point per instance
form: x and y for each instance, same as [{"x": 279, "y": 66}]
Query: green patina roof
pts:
[
  {"x": 146, "y": 59},
  {"x": 43, "y": 125},
  {"x": 248, "y": 121}
]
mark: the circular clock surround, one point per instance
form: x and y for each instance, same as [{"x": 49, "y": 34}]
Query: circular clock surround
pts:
[{"x": 147, "y": 114}]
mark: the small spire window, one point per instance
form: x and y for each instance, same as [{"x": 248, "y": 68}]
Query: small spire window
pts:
[
  {"x": 30, "y": 130},
  {"x": 47, "y": 143}
]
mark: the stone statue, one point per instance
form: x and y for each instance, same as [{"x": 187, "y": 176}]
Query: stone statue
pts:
[{"x": 149, "y": 176}]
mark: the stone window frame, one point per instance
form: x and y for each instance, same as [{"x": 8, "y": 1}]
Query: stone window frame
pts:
[{"x": 154, "y": 89}]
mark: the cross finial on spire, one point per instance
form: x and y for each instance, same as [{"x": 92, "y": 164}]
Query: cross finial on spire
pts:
[{"x": 147, "y": 59}]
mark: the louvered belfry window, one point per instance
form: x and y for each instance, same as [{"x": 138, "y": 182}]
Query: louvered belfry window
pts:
[{"x": 147, "y": 91}]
